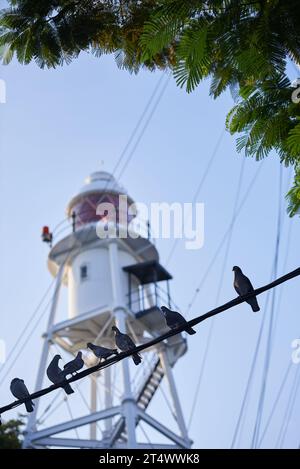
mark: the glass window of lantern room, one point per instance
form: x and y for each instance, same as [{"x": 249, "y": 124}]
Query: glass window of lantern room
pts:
[{"x": 84, "y": 272}]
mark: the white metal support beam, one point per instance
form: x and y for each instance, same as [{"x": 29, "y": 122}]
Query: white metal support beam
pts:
[
  {"x": 93, "y": 386},
  {"x": 79, "y": 319},
  {"x": 176, "y": 402},
  {"x": 128, "y": 402},
  {"x": 108, "y": 397},
  {"x": 70, "y": 443},
  {"x": 31, "y": 425},
  {"x": 163, "y": 430},
  {"x": 94, "y": 444},
  {"x": 75, "y": 423}
]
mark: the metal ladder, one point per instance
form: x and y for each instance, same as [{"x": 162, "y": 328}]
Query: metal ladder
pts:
[
  {"x": 150, "y": 386},
  {"x": 144, "y": 397}
]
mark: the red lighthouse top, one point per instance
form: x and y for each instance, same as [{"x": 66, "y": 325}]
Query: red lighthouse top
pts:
[{"x": 100, "y": 187}]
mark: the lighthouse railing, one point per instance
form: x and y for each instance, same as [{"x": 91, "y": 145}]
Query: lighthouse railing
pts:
[
  {"x": 140, "y": 299},
  {"x": 138, "y": 226}
]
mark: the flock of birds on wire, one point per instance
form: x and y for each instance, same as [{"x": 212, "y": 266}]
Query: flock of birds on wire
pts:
[{"x": 124, "y": 343}]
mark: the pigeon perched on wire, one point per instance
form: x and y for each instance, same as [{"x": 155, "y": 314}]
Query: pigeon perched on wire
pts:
[
  {"x": 101, "y": 352},
  {"x": 125, "y": 343},
  {"x": 175, "y": 319},
  {"x": 74, "y": 365},
  {"x": 20, "y": 391},
  {"x": 56, "y": 374},
  {"x": 243, "y": 286}
]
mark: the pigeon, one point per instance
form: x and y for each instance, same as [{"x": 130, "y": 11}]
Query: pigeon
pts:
[
  {"x": 125, "y": 343},
  {"x": 175, "y": 319},
  {"x": 56, "y": 374},
  {"x": 101, "y": 352},
  {"x": 74, "y": 365},
  {"x": 20, "y": 391},
  {"x": 243, "y": 286}
]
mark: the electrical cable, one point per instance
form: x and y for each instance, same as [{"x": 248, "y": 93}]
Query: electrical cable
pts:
[
  {"x": 208, "y": 341},
  {"x": 199, "y": 188},
  {"x": 72, "y": 418},
  {"x": 289, "y": 410},
  {"x": 25, "y": 342},
  {"x": 119, "y": 160},
  {"x": 132, "y": 135},
  {"x": 249, "y": 380},
  {"x": 276, "y": 401},
  {"x": 226, "y": 234},
  {"x": 31, "y": 318},
  {"x": 121, "y": 356},
  {"x": 269, "y": 337}
]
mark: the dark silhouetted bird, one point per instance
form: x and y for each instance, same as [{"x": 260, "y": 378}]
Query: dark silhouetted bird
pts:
[
  {"x": 101, "y": 352},
  {"x": 74, "y": 365},
  {"x": 125, "y": 343},
  {"x": 56, "y": 374},
  {"x": 243, "y": 286},
  {"x": 175, "y": 319},
  {"x": 19, "y": 390}
]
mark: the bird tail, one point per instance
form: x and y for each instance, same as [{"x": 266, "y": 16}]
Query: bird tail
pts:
[
  {"x": 29, "y": 406},
  {"x": 136, "y": 358},
  {"x": 190, "y": 330},
  {"x": 67, "y": 388},
  {"x": 254, "y": 305}
]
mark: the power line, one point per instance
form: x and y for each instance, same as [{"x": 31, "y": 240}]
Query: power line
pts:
[
  {"x": 226, "y": 234},
  {"x": 80, "y": 392},
  {"x": 271, "y": 322},
  {"x": 208, "y": 341},
  {"x": 281, "y": 387},
  {"x": 115, "y": 168},
  {"x": 252, "y": 369},
  {"x": 201, "y": 184},
  {"x": 284, "y": 380},
  {"x": 25, "y": 342},
  {"x": 149, "y": 370},
  {"x": 250, "y": 377},
  {"x": 248, "y": 385},
  {"x": 289, "y": 410},
  {"x": 151, "y": 343},
  {"x": 14, "y": 348},
  {"x": 132, "y": 135},
  {"x": 72, "y": 418},
  {"x": 145, "y": 434},
  {"x": 141, "y": 118},
  {"x": 145, "y": 126},
  {"x": 284, "y": 265}
]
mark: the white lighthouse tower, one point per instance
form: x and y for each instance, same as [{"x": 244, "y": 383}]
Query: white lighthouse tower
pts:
[{"x": 109, "y": 280}]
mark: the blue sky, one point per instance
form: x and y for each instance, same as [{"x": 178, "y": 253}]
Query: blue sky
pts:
[{"x": 55, "y": 129}]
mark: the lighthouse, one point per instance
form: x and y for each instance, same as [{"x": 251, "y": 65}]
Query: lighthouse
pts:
[{"x": 110, "y": 280}]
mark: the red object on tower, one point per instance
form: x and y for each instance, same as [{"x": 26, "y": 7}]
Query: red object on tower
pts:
[{"x": 46, "y": 235}]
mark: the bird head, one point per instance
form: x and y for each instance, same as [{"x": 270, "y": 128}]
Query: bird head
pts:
[
  {"x": 79, "y": 354},
  {"x": 235, "y": 268},
  {"x": 15, "y": 380},
  {"x": 89, "y": 345},
  {"x": 57, "y": 357},
  {"x": 115, "y": 329},
  {"x": 164, "y": 309}
]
